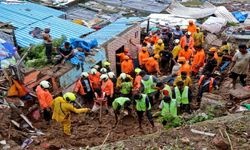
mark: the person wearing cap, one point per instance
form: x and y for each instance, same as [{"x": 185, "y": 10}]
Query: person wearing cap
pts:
[
  {"x": 159, "y": 46},
  {"x": 148, "y": 85},
  {"x": 45, "y": 99},
  {"x": 191, "y": 27},
  {"x": 198, "y": 61},
  {"x": 122, "y": 55},
  {"x": 47, "y": 40},
  {"x": 206, "y": 83},
  {"x": 143, "y": 54},
  {"x": 177, "y": 49},
  {"x": 137, "y": 82},
  {"x": 177, "y": 33},
  {"x": 62, "y": 108},
  {"x": 214, "y": 51},
  {"x": 142, "y": 105},
  {"x": 240, "y": 65},
  {"x": 127, "y": 65},
  {"x": 183, "y": 77},
  {"x": 187, "y": 39},
  {"x": 123, "y": 76},
  {"x": 94, "y": 78},
  {"x": 211, "y": 63},
  {"x": 183, "y": 96},
  {"x": 185, "y": 67},
  {"x": 107, "y": 86},
  {"x": 119, "y": 104},
  {"x": 198, "y": 37},
  {"x": 152, "y": 64},
  {"x": 187, "y": 53},
  {"x": 84, "y": 88}
]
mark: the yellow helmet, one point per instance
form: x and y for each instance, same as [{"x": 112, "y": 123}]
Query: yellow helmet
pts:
[
  {"x": 137, "y": 70},
  {"x": 157, "y": 56},
  {"x": 69, "y": 96},
  {"x": 213, "y": 49},
  {"x": 106, "y": 63}
]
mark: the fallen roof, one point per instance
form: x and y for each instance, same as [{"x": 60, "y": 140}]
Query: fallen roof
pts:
[
  {"x": 26, "y": 16},
  {"x": 111, "y": 31},
  {"x": 207, "y": 9},
  {"x": 141, "y": 5}
]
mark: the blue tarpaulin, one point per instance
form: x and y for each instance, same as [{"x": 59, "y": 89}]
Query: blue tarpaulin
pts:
[
  {"x": 240, "y": 16},
  {"x": 78, "y": 42},
  {"x": 7, "y": 50}
]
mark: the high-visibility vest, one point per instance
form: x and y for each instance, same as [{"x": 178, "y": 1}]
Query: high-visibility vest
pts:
[
  {"x": 182, "y": 98},
  {"x": 210, "y": 84},
  {"x": 120, "y": 101},
  {"x": 141, "y": 103},
  {"x": 168, "y": 88},
  {"x": 126, "y": 87},
  {"x": 169, "y": 109},
  {"x": 148, "y": 85}
]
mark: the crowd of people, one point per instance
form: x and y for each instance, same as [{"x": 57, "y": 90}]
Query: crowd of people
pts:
[{"x": 160, "y": 77}]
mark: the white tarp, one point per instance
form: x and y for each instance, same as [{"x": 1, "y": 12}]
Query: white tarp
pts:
[
  {"x": 169, "y": 20},
  {"x": 214, "y": 24}
]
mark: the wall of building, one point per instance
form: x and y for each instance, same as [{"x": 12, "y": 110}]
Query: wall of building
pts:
[{"x": 123, "y": 39}]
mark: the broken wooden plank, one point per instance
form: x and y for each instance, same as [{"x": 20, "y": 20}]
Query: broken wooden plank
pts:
[
  {"x": 202, "y": 133},
  {"x": 15, "y": 123},
  {"x": 27, "y": 121}
]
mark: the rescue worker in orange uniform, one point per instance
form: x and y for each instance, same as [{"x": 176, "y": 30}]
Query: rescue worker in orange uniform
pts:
[
  {"x": 154, "y": 38},
  {"x": 214, "y": 51},
  {"x": 107, "y": 87},
  {"x": 127, "y": 65},
  {"x": 94, "y": 77},
  {"x": 152, "y": 65},
  {"x": 186, "y": 52},
  {"x": 185, "y": 67},
  {"x": 187, "y": 39},
  {"x": 143, "y": 54},
  {"x": 45, "y": 99},
  {"x": 191, "y": 27},
  {"x": 137, "y": 81},
  {"x": 84, "y": 88},
  {"x": 123, "y": 55},
  {"x": 198, "y": 60}
]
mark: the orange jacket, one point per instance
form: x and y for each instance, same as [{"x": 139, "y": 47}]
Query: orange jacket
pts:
[
  {"x": 79, "y": 88},
  {"x": 151, "y": 65},
  {"x": 142, "y": 56},
  {"x": 216, "y": 56},
  {"x": 198, "y": 61},
  {"x": 183, "y": 42},
  {"x": 185, "y": 67},
  {"x": 108, "y": 87},
  {"x": 192, "y": 29},
  {"x": 210, "y": 84},
  {"x": 44, "y": 97},
  {"x": 137, "y": 82},
  {"x": 121, "y": 56},
  {"x": 127, "y": 66},
  {"x": 95, "y": 80},
  {"x": 155, "y": 39},
  {"x": 187, "y": 54}
]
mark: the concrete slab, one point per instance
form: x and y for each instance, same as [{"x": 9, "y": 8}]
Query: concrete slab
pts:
[{"x": 240, "y": 93}]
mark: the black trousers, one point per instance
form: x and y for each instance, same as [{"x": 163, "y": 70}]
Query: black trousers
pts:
[
  {"x": 48, "y": 51},
  {"x": 148, "y": 114},
  {"x": 185, "y": 108},
  {"x": 47, "y": 114}
]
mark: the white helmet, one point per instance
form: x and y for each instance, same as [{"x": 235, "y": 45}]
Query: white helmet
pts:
[
  {"x": 176, "y": 41},
  {"x": 45, "y": 84},
  {"x": 104, "y": 77},
  {"x": 84, "y": 74},
  {"x": 123, "y": 75},
  {"x": 103, "y": 70},
  {"x": 93, "y": 71},
  {"x": 111, "y": 74},
  {"x": 96, "y": 67}
]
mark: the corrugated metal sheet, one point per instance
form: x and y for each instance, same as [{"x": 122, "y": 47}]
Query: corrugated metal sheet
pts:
[
  {"x": 141, "y": 5},
  {"x": 178, "y": 9},
  {"x": 58, "y": 28},
  {"x": 107, "y": 33},
  {"x": 222, "y": 12},
  {"x": 26, "y": 16}
]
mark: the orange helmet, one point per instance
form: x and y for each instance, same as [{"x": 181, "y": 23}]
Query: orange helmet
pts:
[
  {"x": 213, "y": 49},
  {"x": 181, "y": 59},
  {"x": 156, "y": 56},
  {"x": 126, "y": 50}
]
